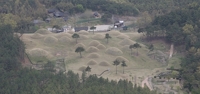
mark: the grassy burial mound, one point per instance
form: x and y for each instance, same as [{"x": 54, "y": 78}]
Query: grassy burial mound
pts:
[
  {"x": 114, "y": 51},
  {"x": 50, "y": 40},
  {"x": 83, "y": 37},
  {"x": 104, "y": 63},
  {"x": 123, "y": 36},
  {"x": 37, "y": 52},
  {"x": 126, "y": 42},
  {"x": 92, "y": 62},
  {"x": 126, "y": 48},
  {"x": 101, "y": 46},
  {"x": 83, "y": 32},
  {"x": 82, "y": 68},
  {"x": 71, "y": 32},
  {"x": 43, "y": 31},
  {"x": 92, "y": 49},
  {"x": 93, "y": 55},
  {"x": 64, "y": 39},
  {"x": 121, "y": 58},
  {"x": 114, "y": 33},
  {"x": 63, "y": 34},
  {"x": 94, "y": 43},
  {"x": 98, "y": 36},
  {"x": 80, "y": 45},
  {"x": 36, "y": 36}
]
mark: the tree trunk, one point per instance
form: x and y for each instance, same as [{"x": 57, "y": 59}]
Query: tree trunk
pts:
[
  {"x": 116, "y": 69},
  {"x": 80, "y": 55},
  {"x": 137, "y": 52},
  {"x": 123, "y": 70},
  {"x": 76, "y": 40},
  {"x": 107, "y": 40},
  {"x": 93, "y": 31},
  {"x": 131, "y": 51}
]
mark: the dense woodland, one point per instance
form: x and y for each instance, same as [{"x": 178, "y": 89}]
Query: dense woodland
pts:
[{"x": 178, "y": 22}]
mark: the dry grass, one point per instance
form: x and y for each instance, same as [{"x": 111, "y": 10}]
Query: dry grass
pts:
[
  {"x": 104, "y": 63},
  {"x": 121, "y": 58},
  {"x": 92, "y": 62},
  {"x": 83, "y": 37},
  {"x": 83, "y": 32},
  {"x": 38, "y": 52},
  {"x": 80, "y": 45},
  {"x": 94, "y": 43},
  {"x": 37, "y": 36},
  {"x": 50, "y": 39},
  {"x": 123, "y": 36},
  {"x": 92, "y": 49},
  {"x": 126, "y": 48},
  {"x": 71, "y": 32},
  {"x": 64, "y": 39},
  {"x": 126, "y": 42},
  {"x": 43, "y": 31},
  {"x": 114, "y": 33},
  {"x": 98, "y": 36},
  {"x": 114, "y": 51},
  {"x": 93, "y": 55},
  {"x": 63, "y": 34},
  {"x": 101, "y": 46},
  {"x": 82, "y": 68}
]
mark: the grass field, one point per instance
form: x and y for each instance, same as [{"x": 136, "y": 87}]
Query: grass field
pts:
[{"x": 98, "y": 54}]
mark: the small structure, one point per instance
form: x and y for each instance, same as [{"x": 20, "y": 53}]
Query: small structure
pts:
[
  {"x": 100, "y": 28},
  {"x": 96, "y": 14},
  {"x": 51, "y": 10},
  {"x": 65, "y": 19},
  {"x": 48, "y": 20},
  {"x": 76, "y": 29},
  {"x": 118, "y": 24}
]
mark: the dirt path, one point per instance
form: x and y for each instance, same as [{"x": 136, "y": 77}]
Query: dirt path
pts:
[
  {"x": 146, "y": 81},
  {"x": 171, "y": 50}
]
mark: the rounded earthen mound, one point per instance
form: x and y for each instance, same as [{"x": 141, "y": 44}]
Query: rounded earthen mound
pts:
[
  {"x": 101, "y": 46},
  {"x": 126, "y": 48},
  {"x": 92, "y": 62},
  {"x": 94, "y": 43},
  {"x": 93, "y": 55},
  {"x": 121, "y": 58},
  {"x": 123, "y": 36},
  {"x": 83, "y": 32},
  {"x": 114, "y": 51},
  {"x": 80, "y": 45},
  {"x": 43, "y": 31},
  {"x": 59, "y": 35},
  {"x": 114, "y": 33},
  {"x": 64, "y": 39},
  {"x": 37, "y": 36},
  {"x": 82, "y": 68},
  {"x": 50, "y": 39},
  {"x": 104, "y": 63},
  {"x": 126, "y": 42},
  {"x": 92, "y": 49},
  {"x": 71, "y": 32},
  {"x": 83, "y": 37},
  {"x": 38, "y": 52},
  {"x": 98, "y": 36}
]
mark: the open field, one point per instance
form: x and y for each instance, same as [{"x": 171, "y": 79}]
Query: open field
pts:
[{"x": 44, "y": 45}]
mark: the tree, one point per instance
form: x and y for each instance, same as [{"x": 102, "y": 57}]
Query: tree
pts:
[
  {"x": 107, "y": 36},
  {"x": 123, "y": 65},
  {"x": 116, "y": 63},
  {"x": 93, "y": 28},
  {"x": 79, "y": 50},
  {"x": 88, "y": 69},
  {"x": 151, "y": 47},
  {"x": 76, "y": 36},
  {"x": 137, "y": 45}
]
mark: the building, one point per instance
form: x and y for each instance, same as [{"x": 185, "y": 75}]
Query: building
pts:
[
  {"x": 100, "y": 28},
  {"x": 77, "y": 29}
]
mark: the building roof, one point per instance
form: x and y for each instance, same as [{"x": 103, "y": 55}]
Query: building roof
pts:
[{"x": 80, "y": 28}]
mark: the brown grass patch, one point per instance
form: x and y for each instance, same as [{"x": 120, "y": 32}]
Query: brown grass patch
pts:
[
  {"x": 83, "y": 37},
  {"x": 80, "y": 45},
  {"x": 83, "y": 32},
  {"x": 82, "y": 68},
  {"x": 38, "y": 52},
  {"x": 92, "y": 62},
  {"x": 126, "y": 42},
  {"x": 121, "y": 58},
  {"x": 94, "y": 43},
  {"x": 43, "y": 31},
  {"x": 123, "y": 36},
  {"x": 114, "y": 33},
  {"x": 104, "y": 63},
  {"x": 114, "y": 51},
  {"x": 93, "y": 55},
  {"x": 64, "y": 39},
  {"x": 101, "y": 46},
  {"x": 50, "y": 39},
  {"x": 92, "y": 49},
  {"x": 37, "y": 36},
  {"x": 98, "y": 36}
]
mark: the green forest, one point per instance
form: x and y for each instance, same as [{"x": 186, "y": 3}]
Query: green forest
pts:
[{"x": 178, "y": 23}]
